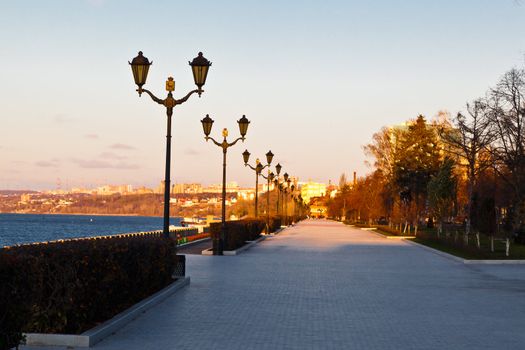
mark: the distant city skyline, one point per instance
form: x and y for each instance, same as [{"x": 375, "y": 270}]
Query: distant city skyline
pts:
[{"x": 315, "y": 78}]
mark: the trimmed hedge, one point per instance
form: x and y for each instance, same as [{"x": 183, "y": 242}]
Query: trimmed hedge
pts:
[
  {"x": 71, "y": 286},
  {"x": 238, "y": 232},
  {"x": 275, "y": 223}
]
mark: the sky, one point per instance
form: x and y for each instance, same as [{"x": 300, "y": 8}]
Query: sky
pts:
[{"x": 315, "y": 78}]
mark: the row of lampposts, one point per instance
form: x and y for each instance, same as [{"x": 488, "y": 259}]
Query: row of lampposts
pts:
[
  {"x": 200, "y": 65},
  {"x": 284, "y": 188}
]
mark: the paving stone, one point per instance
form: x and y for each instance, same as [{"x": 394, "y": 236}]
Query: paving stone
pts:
[{"x": 323, "y": 285}]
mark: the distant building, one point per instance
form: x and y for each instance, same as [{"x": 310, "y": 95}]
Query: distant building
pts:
[
  {"x": 25, "y": 198},
  {"x": 143, "y": 190},
  {"x": 187, "y": 188},
  {"x": 160, "y": 188},
  {"x": 246, "y": 194},
  {"x": 231, "y": 187},
  {"x": 312, "y": 189},
  {"x": 318, "y": 207}
]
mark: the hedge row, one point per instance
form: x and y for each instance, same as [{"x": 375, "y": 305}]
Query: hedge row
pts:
[
  {"x": 71, "y": 286},
  {"x": 238, "y": 232},
  {"x": 275, "y": 223}
]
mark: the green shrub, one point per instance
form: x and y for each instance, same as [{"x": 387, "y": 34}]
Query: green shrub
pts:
[
  {"x": 71, "y": 286},
  {"x": 238, "y": 232}
]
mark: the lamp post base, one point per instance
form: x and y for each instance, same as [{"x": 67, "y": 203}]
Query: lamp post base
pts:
[
  {"x": 218, "y": 247},
  {"x": 180, "y": 266}
]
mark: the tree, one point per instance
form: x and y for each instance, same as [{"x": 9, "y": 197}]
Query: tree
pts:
[
  {"x": 384, "y": 150},
  {"x": 507, "y": 104},
  {"x": 469, "y": 138},
  {"x": 441, "y": 192},
  {"x": 418, "y": 158},
  {"x": 343, "y": 182}
]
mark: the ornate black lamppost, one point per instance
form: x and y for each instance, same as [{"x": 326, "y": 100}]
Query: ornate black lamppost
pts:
[
  {"x": 285, "y": 193},
  {"x": 258, "y": 168},
  {"x": 140, "y": 67},
  {"x": 207, "y": 123},
  {"x": 278, "y": 168},
  {"x": 269, "y": 180},
  {"x": 292, "y": 197}
]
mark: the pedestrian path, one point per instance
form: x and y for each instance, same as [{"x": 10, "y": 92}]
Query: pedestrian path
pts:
[{"x": 323, "y": 285}]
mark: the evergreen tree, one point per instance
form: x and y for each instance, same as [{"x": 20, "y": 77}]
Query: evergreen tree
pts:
[
  {"x": 418, "y": 159},
  {"x": 441, "y": 192}
]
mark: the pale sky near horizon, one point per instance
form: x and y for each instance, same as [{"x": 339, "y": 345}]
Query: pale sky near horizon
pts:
[{"x": 316, "y": 79}]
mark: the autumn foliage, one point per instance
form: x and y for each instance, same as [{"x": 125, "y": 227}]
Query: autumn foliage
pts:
[{"x": 466, "y": 171}]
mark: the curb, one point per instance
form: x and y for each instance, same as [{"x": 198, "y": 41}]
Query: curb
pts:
[
  {"x": 467, "y": 261},
  {"x": 237, "y": 251},
  {"x": 435, "y": 251},
  {"x": 95, "y": 335}
]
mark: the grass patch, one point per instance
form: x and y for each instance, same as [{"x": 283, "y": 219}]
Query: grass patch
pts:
[
  {"x": 471, "y": 252},
  {"x": 391, "y": 232}
]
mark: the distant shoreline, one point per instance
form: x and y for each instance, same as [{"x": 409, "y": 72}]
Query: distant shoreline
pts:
[{"x": 86, "y": 214}]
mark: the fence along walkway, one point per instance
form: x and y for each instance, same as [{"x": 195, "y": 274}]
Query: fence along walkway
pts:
[{"x": 323, "y": 285}]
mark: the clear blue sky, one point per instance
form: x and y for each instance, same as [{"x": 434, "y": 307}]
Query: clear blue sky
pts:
[{"x": 316, "y": 78}]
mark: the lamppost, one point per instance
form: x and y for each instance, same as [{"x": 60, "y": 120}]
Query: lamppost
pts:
[
  {"x": 269, "y": 179},
  {"x": 140, "y": 67},
  {"x": 286, "y": 182},
  {"x": 292, "y": 197},
  {"x": 258, "y": 168},
  {"x": 207, "y": 123},
  {"x": 278, "y": 168},
  {"x": 282, "y": 192}
]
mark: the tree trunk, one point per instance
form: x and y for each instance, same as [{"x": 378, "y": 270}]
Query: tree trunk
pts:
[{"x": 470, "y": 187}]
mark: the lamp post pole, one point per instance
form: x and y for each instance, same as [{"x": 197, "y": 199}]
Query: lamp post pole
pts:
[
  {"x": 281, "y": 195},
  {"x": 140, "y": 67},
  {"x": 276, "y": 187},
  {"x": 292, "y": 199},
  {"x": 269, "y": 179},
  {"x": 207, "y": 123},
  {"x": 278, "y": 168},
  {"x": 285, "y": 191}
]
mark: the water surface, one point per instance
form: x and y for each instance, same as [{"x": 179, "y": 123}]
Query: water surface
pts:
[{"x": 29, "y": 228}]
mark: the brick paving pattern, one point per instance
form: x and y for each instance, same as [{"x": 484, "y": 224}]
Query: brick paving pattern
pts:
[{"x": 323, "y": 285}]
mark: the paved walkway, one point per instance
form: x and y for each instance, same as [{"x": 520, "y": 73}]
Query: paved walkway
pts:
[{"x": 323, "y": 285}]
